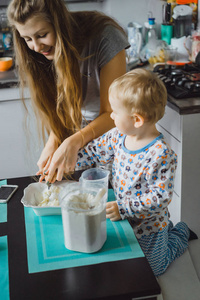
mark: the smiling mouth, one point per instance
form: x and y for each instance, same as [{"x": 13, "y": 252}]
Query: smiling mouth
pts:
[{"x": 47, "y": 52}]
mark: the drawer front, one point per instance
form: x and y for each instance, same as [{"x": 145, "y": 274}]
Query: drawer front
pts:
[
  {"x": 171, "y": 122},
  {"x": 176, "y": 146}
]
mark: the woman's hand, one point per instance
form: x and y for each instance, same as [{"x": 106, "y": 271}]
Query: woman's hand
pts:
[
  {"x": 64, "y": 158},
  {"x": 46, "y": 156},
  {"x": 112, "y": 211}
]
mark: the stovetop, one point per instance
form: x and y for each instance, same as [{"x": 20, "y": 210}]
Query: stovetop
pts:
[{"x": 182, "y": 82}]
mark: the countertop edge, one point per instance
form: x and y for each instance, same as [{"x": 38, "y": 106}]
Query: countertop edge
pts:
[{"x": 181, "y": 106}]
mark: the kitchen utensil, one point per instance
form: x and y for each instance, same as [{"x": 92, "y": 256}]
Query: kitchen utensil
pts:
[
  {"x": 5, "y": 63},
  {"x": 48, "y": 185}
]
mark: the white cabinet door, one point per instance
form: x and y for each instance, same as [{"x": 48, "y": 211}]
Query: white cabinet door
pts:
[
  {"x": 182, "y": 132},
  {"x": 177, "y": 147},
  {"x": 175, "y": 205},
  {"x": 19, "y": 150}
]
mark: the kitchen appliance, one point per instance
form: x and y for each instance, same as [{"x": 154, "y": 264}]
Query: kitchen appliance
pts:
[
  {"x": 166, "y": 26},
  {"x": 182, "y": 15},
  {"x": 181, "y": 82}
]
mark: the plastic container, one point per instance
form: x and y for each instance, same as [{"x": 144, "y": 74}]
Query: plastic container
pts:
[
  {"x": 152, "y": 35},
  {"x": 84, "y": 218},
  {"x": 95, "y": 177},
  {"x": 150, "y": 28}
]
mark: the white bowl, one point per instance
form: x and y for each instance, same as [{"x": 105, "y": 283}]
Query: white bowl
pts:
[{"x": 33, "y": 196}]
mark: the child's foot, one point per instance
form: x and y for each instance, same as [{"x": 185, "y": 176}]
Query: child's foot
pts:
[{"x": 192, "y": 236}]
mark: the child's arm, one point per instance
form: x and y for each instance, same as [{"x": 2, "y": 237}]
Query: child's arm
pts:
[
  {"x": 99, "y": 151},
  {"x": 157, "y": 189}
]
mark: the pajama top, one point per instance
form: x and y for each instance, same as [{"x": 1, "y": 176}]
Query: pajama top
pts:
[{"x": 143, "y": 180}]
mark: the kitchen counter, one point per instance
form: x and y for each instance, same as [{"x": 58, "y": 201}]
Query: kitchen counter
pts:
[
  {"x": 10, "y": 91},
  {"x": 184, "y": 106},
  {"x": 9, "y": 86}
]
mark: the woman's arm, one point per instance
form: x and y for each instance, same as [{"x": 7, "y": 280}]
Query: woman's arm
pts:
[
  {"x": 65, "y": 157},
  {"x": 112, "y": 70},
  {"x": 46, "y": 155}
]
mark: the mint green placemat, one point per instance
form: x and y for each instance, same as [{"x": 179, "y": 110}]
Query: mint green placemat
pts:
[
  {"x": 3, "y": 206},
  {"x": 4, "y": 274},
  {"x": 46, "y": 249}
]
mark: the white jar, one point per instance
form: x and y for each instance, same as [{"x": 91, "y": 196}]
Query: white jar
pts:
[{"x": 84, "y": 218}]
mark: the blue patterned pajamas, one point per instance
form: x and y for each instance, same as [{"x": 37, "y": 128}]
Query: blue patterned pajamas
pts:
[
  {"x": 164, "y": 247},
  {"x": 143, "y": 183}
]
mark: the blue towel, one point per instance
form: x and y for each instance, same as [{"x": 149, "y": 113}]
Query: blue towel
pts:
[
  {"x": 4, "y": 273},
  {"x": 3, "y": 206},
  {"x": 46, "y": 249}
]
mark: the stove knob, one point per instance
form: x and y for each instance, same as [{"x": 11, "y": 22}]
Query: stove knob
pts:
[
  {"x": 175, "y": 78},
  {"x": 169, "y": 84},
  {"x": 189, "y": 85},
  {"x": 181, "y": 81},
  {"x": 197, "y": 87}
]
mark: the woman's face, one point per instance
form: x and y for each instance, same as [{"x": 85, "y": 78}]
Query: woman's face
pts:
[{"x": 39, "y": 36}]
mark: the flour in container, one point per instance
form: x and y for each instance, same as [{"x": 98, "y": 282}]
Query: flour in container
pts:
[
  {"x": 84, "y": 221},
  {"x": 50, "y": 197}
]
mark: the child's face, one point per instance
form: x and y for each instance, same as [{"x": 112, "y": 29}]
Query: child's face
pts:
[
  {"x": 120, "y": 115},
  {"x": 39, "y": 36}
]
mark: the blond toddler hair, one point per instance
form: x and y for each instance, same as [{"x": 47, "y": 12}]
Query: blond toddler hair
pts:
[{"x": 142, "y": 92}]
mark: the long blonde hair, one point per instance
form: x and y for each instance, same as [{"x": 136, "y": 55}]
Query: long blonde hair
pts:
[{"x": 55, "y": 86}]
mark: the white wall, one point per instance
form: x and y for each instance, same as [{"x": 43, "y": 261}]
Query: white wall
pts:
[{"x": 124, "y": 11}]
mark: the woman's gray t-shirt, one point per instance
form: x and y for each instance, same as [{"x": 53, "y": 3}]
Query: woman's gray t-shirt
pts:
[{"x": 100, "y": 51}]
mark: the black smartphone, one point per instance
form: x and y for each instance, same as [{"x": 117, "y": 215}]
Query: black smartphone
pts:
[{"x": 6, "y": 192}]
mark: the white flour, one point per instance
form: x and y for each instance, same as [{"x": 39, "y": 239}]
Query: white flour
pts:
[
  {"x": 50, "y": 197},
  {"x": 84, "y": 222}
]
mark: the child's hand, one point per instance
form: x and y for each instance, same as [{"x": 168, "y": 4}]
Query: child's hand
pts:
[{"x": 112, "y": 211}]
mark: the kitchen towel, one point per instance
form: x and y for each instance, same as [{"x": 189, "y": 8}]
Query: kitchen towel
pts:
[
  {"x": 3, "y": 206},
  {"x": 46, "y": 249},
  {"x": 4, "y": 273}
]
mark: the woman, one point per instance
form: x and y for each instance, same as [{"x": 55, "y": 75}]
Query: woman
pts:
[{"x": 68, "y": 60}]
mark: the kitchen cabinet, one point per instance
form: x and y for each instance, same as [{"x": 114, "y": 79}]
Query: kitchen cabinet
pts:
[
  {"x": 19, "y": 148},
  {"x": 182, "y": 132}
]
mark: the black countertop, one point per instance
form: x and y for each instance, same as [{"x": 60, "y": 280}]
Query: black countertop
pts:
[
  {"x": 185, "y": 106},
  {"x": 118, "y": 280}
]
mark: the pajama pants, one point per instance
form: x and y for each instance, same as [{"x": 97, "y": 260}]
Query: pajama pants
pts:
[{"x": 165, "y": 246}]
